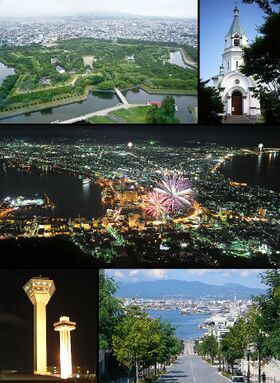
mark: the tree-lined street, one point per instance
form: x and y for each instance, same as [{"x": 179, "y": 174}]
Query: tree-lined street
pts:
[{"x": 191, "y": 369}]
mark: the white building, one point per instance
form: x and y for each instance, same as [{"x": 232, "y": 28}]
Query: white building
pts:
[{"x": 236, "y": 90}]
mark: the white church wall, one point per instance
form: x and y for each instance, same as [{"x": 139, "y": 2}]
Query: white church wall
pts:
[{"x": 231, "y": 79}]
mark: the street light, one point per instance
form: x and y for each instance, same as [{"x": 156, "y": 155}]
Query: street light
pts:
[
  {"x": 248, "y": 351},
  {"x": 250, "y": 348},
  {"x": 262, "y": 336}
]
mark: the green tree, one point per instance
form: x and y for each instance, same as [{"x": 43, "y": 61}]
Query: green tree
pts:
[
  {"x": 269, "y": 317},
  {"x": 234, "y": 343},
  {"x": 211, "y": 347},
  {"x": 106, "y": 85},
  {"x": 163, "y": 115},
  {"x": 140, "y": 341},
  {"x": 131, "y": 340},
  {"x": 110, "y": 311},
  {"x": 168, "y": 105},
  {"x": 170, "y": 345}
]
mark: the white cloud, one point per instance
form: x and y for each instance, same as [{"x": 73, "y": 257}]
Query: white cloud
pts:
[
  {"x": 118, "y": 274},
  {"x": 199, "y": 272},
  {"x": 132, "y": 273},
  {"x": 245, "y": 273},
  {"x": 156, "y": 273}
]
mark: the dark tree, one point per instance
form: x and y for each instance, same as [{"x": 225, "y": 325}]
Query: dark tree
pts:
[
  {"x": 265, "y": 5},
  {"x": 262, "y": 61},
  {"x": 163, "y": 115},
  {"x": 210, "y": 105}
]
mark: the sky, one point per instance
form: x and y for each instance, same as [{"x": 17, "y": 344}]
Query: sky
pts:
[
  {"x": 245, "y": 277},
  {"x": 75, "y": 296},
  {"x": 216, "y": 17},
  {"x": 174, "y": 8}
]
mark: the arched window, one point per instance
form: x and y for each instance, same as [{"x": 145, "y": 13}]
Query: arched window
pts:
[{"x": 236, "y": 40}]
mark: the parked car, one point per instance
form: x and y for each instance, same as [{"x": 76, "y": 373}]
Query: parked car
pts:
[{"x": 237, "y": 379}]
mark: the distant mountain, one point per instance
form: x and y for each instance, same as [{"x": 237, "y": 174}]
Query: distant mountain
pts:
[{"x": 184, "y": 289}]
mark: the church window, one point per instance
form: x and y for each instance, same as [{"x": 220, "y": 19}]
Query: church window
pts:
[
  {"x": 228, "y": 65},
  {"x": 237, "y": 82},
  {"x": 236, "y": 64},
  {"x": 236, "y": 42}
]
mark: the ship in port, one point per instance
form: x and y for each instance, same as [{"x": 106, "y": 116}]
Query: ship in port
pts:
[{"x": 86, "y": 181}]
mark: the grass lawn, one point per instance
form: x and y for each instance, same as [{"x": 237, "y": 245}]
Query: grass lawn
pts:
[
  {"x": 101, "y": 120},
  {"x": 133, "y": 115}
]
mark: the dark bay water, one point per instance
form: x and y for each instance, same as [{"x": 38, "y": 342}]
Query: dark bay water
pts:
[
  {"x": 98, "y": 101},
  {"x": 261, "y": 170},
  {"x": 66, "y": 191},
  {"x": 187, "y": 325},
  {"x": 182, "y": 102},
  {"x": 5, "y": 72},
  {"x": 95, "y": 101}
]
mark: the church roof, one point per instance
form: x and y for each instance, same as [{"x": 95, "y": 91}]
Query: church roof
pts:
[{"x": 236, "y": 26}]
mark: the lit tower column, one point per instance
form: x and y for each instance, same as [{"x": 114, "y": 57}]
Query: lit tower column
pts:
[
  {"x": 64, "y": 326},
  {"x": 39, "y": 291}
]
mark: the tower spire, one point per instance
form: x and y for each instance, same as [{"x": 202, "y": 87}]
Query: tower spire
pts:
[
  {"x": 236, "y": 10},
  {"x": 236, "y": 26}
]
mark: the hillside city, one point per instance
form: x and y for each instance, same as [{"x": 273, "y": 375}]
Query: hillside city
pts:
[{"x": 15, "y": 32}]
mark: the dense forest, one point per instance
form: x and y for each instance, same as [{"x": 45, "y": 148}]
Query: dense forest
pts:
[{"x": 61, "y": 72}]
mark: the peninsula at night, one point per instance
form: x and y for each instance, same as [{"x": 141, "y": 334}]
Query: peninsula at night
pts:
[{"x": 143, "y": 201}]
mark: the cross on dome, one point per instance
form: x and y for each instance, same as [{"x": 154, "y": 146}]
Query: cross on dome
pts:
[{"x": 236, "y": 10}]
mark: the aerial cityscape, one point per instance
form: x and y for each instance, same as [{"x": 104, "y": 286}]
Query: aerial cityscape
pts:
[
  {"x": 145, "y": 201},
  {"x": 212, "y": 330},
  {"x": 99, "y": 66}
]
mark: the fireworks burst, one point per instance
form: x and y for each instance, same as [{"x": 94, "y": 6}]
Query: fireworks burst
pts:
[
  {"x": 177, "y": 194},
  {"x": 155, "y": 204}
]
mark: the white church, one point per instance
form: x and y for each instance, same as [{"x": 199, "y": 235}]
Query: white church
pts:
[{"x": 236, "y": 90}]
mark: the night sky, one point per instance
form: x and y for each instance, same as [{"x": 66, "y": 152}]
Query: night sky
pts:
[
  {"x": 75, "y": 296},
  {"x": 171, "y": 135}
]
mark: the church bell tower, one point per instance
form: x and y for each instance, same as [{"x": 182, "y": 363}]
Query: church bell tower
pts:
[{"x": 236, "y": 90}]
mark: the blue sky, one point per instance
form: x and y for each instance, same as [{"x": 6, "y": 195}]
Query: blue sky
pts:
[
  {"x": 215, "y": 19},
  {"x": 245, "y": 277}
]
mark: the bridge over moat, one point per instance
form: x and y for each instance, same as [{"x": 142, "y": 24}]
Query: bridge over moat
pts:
[
  {"x": 102, "y": 112},
  {"x": 124, "y": 105}
]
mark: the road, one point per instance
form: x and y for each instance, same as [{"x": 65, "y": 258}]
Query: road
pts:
[{"x": 191, "y": 369}]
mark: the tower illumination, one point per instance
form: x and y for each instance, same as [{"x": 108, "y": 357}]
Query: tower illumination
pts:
[
  {"x": 39, "y": 290},
  {"x": 64, "y": 326}
]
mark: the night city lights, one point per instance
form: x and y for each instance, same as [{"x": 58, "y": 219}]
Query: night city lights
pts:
[{"x": 142, "y": 202}]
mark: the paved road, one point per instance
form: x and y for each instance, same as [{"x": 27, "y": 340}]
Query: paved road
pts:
[{"x": 191, "y": 369}]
